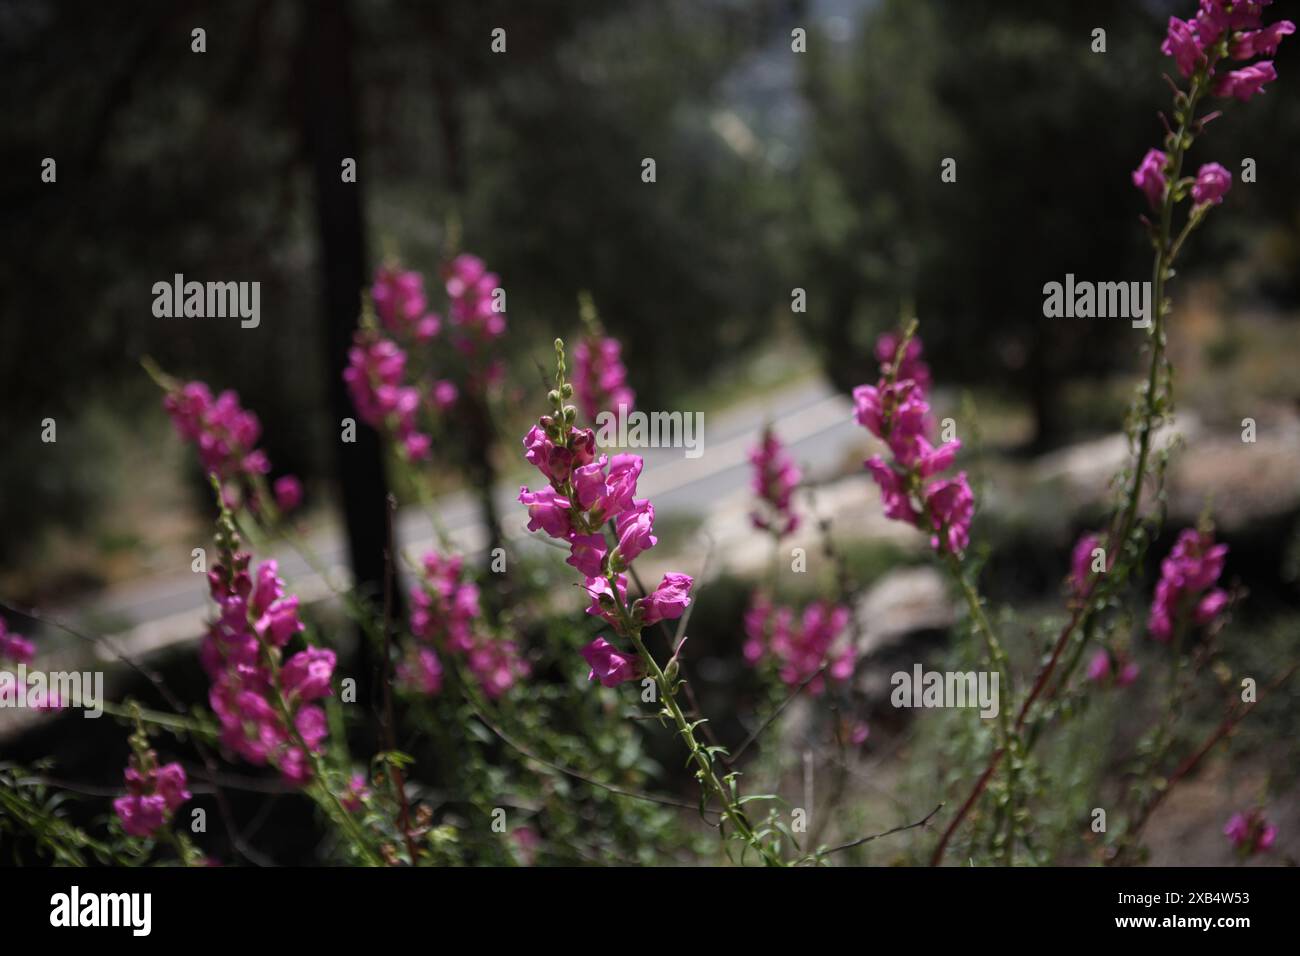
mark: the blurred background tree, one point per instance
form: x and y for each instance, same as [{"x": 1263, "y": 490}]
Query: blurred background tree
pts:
[{"x": 1044, "y": 132}]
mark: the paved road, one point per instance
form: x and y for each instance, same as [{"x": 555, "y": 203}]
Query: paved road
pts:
[{"x": 809, "y": 416}]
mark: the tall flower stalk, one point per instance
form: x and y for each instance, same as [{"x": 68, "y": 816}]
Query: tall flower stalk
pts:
[
  {"x": 585, "y": 494},
  {"x": 1221, "y": 30}
]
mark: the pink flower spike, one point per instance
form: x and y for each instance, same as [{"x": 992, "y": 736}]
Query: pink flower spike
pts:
[
  {"x": 423, "y": 674},
  {"x": 1190, "y": 570}
]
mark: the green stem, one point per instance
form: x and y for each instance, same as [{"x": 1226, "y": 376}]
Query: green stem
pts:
[
  {"x": 170, "y": 722},
  {"x": 707, "y": 775}
]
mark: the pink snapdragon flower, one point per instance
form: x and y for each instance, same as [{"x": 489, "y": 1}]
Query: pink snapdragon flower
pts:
[
  {"x": 1150, "y": 177},
  {"x": 1212, "y": 184},
  {"x": 444, "y": 603},
  {"x": 799, "y": 647},
  {"x": 153, "y": 796},
  {"x": 610, "y": 665},
  {"x": 446, "y": 613},
  {"x": 951, "y": 504},
  {"x": 306, "y": 676},
  {"x": 1102, "y": 666},
  {"x": 288, "y": 493},
  {"x": 375, "y": 380},
  {"x": 605, "y": 601},
  {"x": 421, "y": 671},
  {"x": 256, "y": 619},
  {"x": 1245, "y": 82},
  {"x": 600, "y": 378},
  {"x": 668, "y": 601},
  {"x": 896, "y": 411},
  {"x": 472, "y": 290},
  {"x": 635, "y": 529},
  {"x": 224, "y": 433},
  {"x": 355, "y": 797},
  {"x": 1184, "y": 45},
  {"x": 1081, "y": 563},
  {"x": 776, "y": 477},
  {"x": 14, "y": 647},
  {"x": 556, "y": 460},
  {"x": 1261, "y": 42},
  {"x": 912, "y": 367},
  {"x": 1250, "y": 832},
  {"x": 401, "y": 305},
  {"x": 445, "y": 395},
  {"x": 1186, "y": 588},
  {"x": 1216, "y": 17}
]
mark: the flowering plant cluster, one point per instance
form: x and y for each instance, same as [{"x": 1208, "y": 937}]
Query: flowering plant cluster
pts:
[
  {"x": 390, "y": 376},
  {"x": 800, "y": 648},
  {"x": 1186, "y": 584},
  {"x": 375, "y": 376},
  {"x": 896, "y": 410},
  {"x": 585, "y": 493},
  {"x": 14, "y": 647},
  {"x": 1220, "y": 32},
  {"x": 263, "y": 697},
  {"x": 226, "y": 436},
  {"x": 1250, "y": 832},
  {"x": 445, "y": 613},
  {"x": 600, "y": 378},
  {"x": 475, "y": 309},
  {"x": 463, "y": 653},
  {"x": 776, "y": 477},
  {"x": 153, "y": 794}
]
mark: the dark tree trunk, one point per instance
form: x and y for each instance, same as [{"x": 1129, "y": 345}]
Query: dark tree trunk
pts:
[{"x": 330, "y": 127}]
